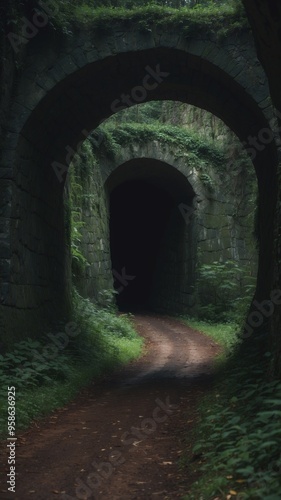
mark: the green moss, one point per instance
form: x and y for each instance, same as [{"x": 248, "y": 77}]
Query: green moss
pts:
[
  {"x": 185, "y": 141},
  {"x": 82, "y": 168},
  {"x": 206, "y": 19}
]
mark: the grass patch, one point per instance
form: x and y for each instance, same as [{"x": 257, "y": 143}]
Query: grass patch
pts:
[
  {"x": 50, "y": 372},
  {"x": 225, "y": 334}
]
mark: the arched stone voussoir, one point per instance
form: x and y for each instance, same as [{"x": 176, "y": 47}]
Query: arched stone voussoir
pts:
[
  {"x": 159, "y": 152},
  {"x": 216, "y": 61}
]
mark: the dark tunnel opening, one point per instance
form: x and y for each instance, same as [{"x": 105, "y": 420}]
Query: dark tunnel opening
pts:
[{"x": 139, "y": 215}]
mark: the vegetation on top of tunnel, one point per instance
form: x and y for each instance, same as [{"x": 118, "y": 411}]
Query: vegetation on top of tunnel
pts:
[
  {"x": 199, "y": 150},
  {"x": 238, "y": 440},
  {"x": 211, "y": 18},
  {"x": 49, "y": 372},
  {"x": 216, "y": 17},
  {"x": 188, "y": 144},
  {"x": 192, "y": 132}
]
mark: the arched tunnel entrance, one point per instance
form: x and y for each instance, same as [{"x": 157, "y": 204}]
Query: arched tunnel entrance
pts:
[
  {"x": 151, "y": 244},
  {"x": 62, "y": 110}
]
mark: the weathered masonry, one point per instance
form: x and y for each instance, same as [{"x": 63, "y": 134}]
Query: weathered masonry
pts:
[
  {"x": 166, "y": 217},
  {"x": 66, "y": 89}
]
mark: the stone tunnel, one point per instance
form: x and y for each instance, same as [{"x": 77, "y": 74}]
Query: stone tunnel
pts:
[
  {"x": 66, "y": 90},
  {"x": 162, "y": 221}
]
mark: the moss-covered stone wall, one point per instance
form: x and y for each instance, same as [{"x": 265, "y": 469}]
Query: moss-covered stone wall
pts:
[
  {"x": 91, "y": 264},
  {"x": 212, "y": 219}
]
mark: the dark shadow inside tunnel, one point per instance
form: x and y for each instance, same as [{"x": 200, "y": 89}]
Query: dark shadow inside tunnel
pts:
[
  {"x": 151, "y": 245},
  {"x": 139, "y": 215}
]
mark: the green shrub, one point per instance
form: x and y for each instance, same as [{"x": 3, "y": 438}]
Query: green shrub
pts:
[
  {"x": 223, "y": 296},
  {"x": 239, "y": 437},
  {"x": 46, "y": 381}
]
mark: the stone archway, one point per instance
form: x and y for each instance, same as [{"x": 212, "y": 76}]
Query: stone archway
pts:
[
  {"x": 205, "y": 222},
  {"x": 66, "y": 92}
]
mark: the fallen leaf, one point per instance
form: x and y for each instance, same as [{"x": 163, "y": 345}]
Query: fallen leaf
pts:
[{"x": 232, "y": 492}]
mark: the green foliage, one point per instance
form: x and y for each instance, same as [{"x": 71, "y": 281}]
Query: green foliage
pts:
[
  {"x": 106, "y": 299},
  {"x": 221, "y": 289},
  {"x": 207, "y": 181},
  {"x": 239, "y": 437},
  {"x": 28, "y": 369},
  {"x": 81, "y": 168},
  {"x": 225, "y": 334},
  {"x": 209, "y": 15},
  {"x": 79, "y": 261},
  {"x": 101, "y": 320},
  {"x": 46, "y": 376},
  {"x": 25, "y": 367},
  {"x": 188, "y": 144},
  {"x": 109, "y": 146}
]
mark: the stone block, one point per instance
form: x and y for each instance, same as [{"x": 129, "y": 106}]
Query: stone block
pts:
[
  {"x": 4, "y": 269},
  {"x": 68, "y": 65},
  {"x": 5, "y": 249},
  {"x": 79, "y": 57}
]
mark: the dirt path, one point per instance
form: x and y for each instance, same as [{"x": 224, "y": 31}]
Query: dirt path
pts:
[{"x": 121, "y": 438}]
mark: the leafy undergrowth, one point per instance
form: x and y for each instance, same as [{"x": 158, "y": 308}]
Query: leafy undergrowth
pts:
[
  {"x": 48, "y": 373},
  {"x": 238, "y": 440}
]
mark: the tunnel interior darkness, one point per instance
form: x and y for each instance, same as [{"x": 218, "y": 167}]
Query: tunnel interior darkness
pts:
[{"x": 139, "y": 214}]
